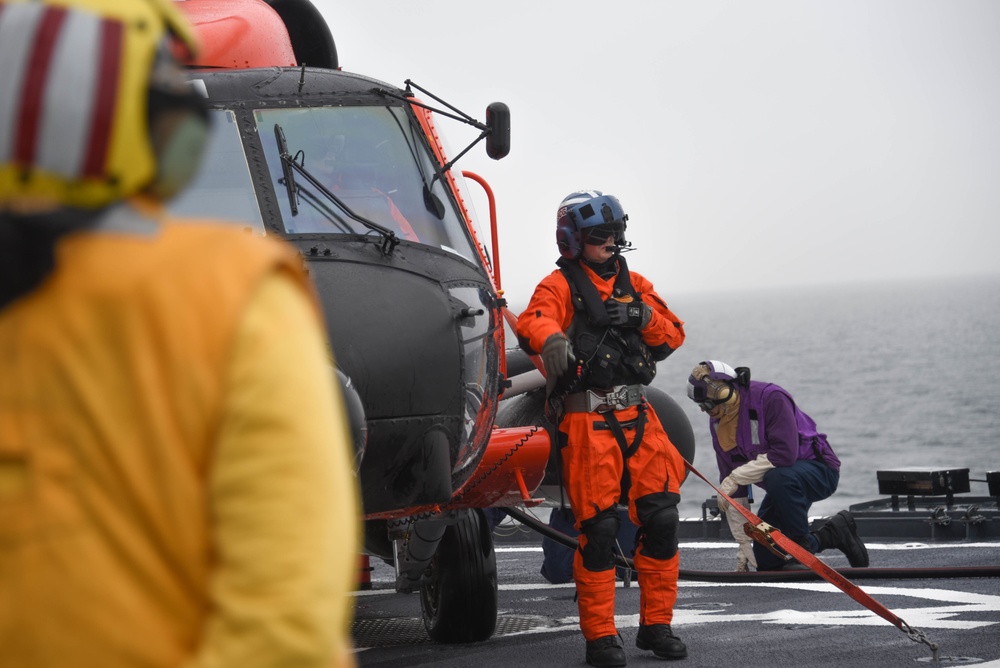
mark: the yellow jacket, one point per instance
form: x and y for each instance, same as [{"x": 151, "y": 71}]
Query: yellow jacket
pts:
[{"x": 175, "y": 468}]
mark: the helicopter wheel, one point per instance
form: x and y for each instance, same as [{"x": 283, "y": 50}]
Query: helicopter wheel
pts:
[{"x": 459, "y": 599}]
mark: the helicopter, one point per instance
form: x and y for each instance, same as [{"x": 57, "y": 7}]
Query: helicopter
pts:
[{"x": 354, "y": 173}]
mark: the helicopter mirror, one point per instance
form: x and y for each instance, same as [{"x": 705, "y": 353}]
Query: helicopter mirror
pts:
[
  {"x": 498, "y": 139},
  {"x": 433, "y": 203}
]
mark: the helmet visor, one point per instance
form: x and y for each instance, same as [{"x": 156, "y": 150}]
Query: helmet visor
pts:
[{"x": 599, "y": 234}]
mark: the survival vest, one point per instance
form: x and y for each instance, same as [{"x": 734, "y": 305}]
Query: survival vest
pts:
[
  {"x": 108, "y": 416},
  {"x": 607, "y": 355}
]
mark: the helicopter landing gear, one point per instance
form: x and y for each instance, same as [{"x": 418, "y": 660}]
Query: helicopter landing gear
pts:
[{"x": 458, "y": 596}]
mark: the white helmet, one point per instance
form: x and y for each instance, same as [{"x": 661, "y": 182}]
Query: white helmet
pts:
[{"x": 704, "y": 379}]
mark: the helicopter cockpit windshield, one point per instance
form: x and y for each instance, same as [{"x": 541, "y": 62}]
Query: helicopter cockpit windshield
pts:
[{"x": 370, "y": 160}]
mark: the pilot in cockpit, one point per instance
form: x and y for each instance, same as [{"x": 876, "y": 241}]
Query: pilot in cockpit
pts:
[
  {"x": 348, "y": 171},
  {"x": 326, "y": 167}
]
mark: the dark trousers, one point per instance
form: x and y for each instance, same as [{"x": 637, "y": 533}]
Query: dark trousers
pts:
[{"x": 791, "y": 490}]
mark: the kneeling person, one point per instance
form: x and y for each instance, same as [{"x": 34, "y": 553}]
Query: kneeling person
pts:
[{"x": 762, "y": 438}]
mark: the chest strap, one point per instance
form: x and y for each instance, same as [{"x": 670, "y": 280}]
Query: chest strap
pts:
[{"x": 586, "y": 298}]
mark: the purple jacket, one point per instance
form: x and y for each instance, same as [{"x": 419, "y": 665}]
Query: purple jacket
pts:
[{"x": 771, "y": 423}]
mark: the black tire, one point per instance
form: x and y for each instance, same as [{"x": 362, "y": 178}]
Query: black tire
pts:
[{"x": 459, "y": 602}]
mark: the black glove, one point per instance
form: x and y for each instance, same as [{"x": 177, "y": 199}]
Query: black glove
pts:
[
  {"x": 557, "y": 353},
  {"x": 628, "y": 314}
]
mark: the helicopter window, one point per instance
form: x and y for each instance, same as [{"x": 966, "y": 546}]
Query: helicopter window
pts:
[
  {"x": 222, "y": 189},
  {"x": 369, "y": 158},
  {"x": 480, "y": 368}
]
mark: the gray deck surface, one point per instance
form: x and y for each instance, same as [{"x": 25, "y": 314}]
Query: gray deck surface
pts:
[{"x": 801, "y": 624}]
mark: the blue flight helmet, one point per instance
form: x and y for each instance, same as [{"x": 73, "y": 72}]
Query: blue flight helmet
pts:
[{"x": 585, "y": 212}]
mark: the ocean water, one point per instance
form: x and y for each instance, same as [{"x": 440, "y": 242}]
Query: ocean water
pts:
[{"x": 897, "y": 374}]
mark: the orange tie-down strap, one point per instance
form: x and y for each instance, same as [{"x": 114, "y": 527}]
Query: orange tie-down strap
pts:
[{"x": 772, "y": 539}]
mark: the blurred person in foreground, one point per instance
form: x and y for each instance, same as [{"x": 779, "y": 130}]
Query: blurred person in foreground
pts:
[
  {"x": 175, "y": 467},
  {"x": 600, "y": 330},
  {"x": 761, "y": 437}
]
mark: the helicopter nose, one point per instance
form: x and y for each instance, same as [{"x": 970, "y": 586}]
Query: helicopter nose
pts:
[{"x": 423, "y": 354}]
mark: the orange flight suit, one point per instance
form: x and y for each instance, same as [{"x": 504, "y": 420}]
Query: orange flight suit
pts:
[{"x": 593, "y": 462}]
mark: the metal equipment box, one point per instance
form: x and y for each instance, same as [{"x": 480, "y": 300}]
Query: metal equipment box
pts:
[
  {"x": 993, "y": 480},
  {"x": 921, "y": 482}
]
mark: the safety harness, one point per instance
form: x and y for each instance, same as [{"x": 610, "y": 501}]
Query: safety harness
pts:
[
  {"x": 618, "y": 398},
  {"x": 618, "y": 429},
  {"x": 608, "y": 355}
]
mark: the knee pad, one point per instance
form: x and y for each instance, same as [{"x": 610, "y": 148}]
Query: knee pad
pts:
[
  {"x": 601, "y": 532},
  {"x": 660, "y": 519}
]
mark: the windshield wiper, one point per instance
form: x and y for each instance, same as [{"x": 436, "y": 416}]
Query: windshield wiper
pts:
[
  {"x": 289, "y": 167},
  {"x": 290, "y": 186}
]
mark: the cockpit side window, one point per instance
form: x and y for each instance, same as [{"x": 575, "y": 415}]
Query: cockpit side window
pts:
[{"x": 222, "y": 189}]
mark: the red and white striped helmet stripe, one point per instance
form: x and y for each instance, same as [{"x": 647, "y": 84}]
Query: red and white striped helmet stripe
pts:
[{"x": 56, "y": 102}]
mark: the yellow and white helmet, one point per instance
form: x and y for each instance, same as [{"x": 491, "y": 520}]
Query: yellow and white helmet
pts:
[{"x": 74, "y": 97}]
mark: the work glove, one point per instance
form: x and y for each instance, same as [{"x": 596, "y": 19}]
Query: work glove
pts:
[
  {"x": 628, "y": 314},
  {"x": 744, "y": 556},
  {"x": 728, "y": 486},
  {"x": 557, "y": 355},
  {"x": 750, "y": 473}
]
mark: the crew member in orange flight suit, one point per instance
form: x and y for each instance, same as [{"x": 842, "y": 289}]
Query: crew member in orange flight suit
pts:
[{"x": 601, "y": 329}]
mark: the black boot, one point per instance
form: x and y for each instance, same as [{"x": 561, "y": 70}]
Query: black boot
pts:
[
  {"x": 660, "y": 639},
  {"x": 606, "y": 651},
  {"x": 841, "y": 532}
]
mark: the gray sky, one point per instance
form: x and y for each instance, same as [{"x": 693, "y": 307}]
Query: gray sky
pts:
[{"x": 751, "y": 143}]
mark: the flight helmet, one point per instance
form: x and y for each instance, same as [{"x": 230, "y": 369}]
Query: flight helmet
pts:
[
  {"x": 83, "y": 84},
  {"x": 588, "y": 215}
]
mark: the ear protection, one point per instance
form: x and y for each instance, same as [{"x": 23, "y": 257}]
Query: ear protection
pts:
[
  {"x": 178, "y": 127},
  {"x": 706, "y": 377},
  {"x": 178, "y": 151}
]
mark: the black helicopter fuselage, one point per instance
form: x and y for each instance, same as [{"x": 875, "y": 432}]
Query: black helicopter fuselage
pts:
[{"x": 410, "y": 307}]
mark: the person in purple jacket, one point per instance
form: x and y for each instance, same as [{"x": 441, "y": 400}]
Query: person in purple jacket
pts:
[{"x": 762, "y": 438}]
